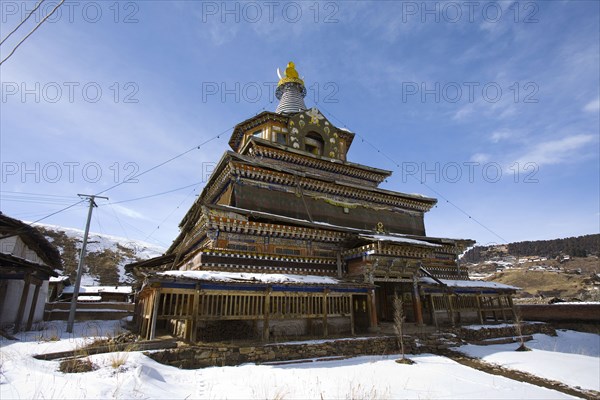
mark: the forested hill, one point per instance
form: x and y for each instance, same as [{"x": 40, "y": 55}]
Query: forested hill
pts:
[{"x": 580, "y": 246}]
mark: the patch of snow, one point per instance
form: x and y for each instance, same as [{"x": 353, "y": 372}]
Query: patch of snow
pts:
[
  {"x": 399, "y": 239},
  {"x": 220, "y": 276},
  {"x": 23, "y": 376},
  {"x": 571, "y": 357},
  {"x": 496, "y": 326},
  {"x": 59, "y": 278},
  {"x": 99, "y": 289}
]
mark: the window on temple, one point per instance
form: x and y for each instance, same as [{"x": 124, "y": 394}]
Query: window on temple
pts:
[
  {"x": 313, "y": 143},
  {"x": 257, "y": 134},
  {"x": 287, "y": 251},
  {"x": 281, "y": 137}
]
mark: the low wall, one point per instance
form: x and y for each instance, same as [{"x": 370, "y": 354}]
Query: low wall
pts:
[
  {"x": 59, "y": 311},
  {"x": 561, "y": 312},
  {"x": 207, "y": 356},
  {"x": 483, "y": 332}
]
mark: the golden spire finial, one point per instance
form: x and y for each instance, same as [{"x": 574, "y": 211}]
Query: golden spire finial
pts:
[
  {"x": 290, "y": 71},
  {"x": 291, "y": 75}
]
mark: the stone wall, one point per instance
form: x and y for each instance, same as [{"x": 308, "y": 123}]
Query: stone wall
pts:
[
  {"x": 478, "y": 333},
  {"x": 207, "y": 356}
]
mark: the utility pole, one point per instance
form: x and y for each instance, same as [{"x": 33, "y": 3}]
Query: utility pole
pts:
[{"x": 91, "y": 199}]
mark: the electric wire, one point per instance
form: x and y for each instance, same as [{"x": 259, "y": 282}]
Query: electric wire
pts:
[
  {"x": 22, "y": 22},
  {"x": 31, "y": 33}
]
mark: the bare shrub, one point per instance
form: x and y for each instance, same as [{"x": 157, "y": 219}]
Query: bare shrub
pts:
[
  {"x": 399, "y": 318},
  {"x": 519, "y": 329}
]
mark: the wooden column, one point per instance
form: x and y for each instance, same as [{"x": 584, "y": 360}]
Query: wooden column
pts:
[
  {"x": 195, "y": 315},
  {"x": 22, "y": 303},
  {"x": 351, "y": 315},
  {"x": 417, "y": 308},
  {"x": 372, "y": 310},
  {"x": 451, "y": 309},
  {"x": 512, "y": 307},
  {"x": 502, "y": 308},
  {"x": 154, "y": 314},
  {"x": 433, "y": 313},
  {"x": 325, "y": 310},
  {"x": 479, "y": 312},
  {"x": 266, "y": 307},
  {"x": 3, "y": 289},
  {"x": 38, "y": 283},
  {"x": 339, "y": 264}
]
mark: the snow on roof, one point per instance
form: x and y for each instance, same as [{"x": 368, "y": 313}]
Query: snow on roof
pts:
[
  {"x": 89, "y": 298},
  {"x": 468, "y": 284},
  {"x": 99, "y": 289},
  {"x": 60, "y": 278},
  {"x": 399, "y": 239},
  {"x": 220, "y": 276}
]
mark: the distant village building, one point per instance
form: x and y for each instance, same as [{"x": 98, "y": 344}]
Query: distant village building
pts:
[
  {"x": 27, "y": 262},
  {"x": 290, "y": 238},
  {"x": 119, "y": 294},
  {"x": 56, "y": 286}
]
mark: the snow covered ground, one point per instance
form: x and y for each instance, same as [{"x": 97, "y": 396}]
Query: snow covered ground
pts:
[
  {"x": 571, "y": 357},
  {"x": 432, "y": 377}
]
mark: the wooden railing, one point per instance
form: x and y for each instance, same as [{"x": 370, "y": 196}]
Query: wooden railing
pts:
[{"x": 189, "y": 306}]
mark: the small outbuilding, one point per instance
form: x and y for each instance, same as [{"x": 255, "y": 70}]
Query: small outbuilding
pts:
[{"x": 27, "y": 261}]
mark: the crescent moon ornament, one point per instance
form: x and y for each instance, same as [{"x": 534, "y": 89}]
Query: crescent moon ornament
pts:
[{"x": 279, "y": 74}]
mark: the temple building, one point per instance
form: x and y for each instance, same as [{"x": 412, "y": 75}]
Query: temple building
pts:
[{"x": 289, "y": 238}]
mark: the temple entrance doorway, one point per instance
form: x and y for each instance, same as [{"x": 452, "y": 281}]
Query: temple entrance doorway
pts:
[{"x": 360, "y": 313}]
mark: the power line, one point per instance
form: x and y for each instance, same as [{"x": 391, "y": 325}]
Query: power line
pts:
[
  {"x": 166, "y": 162},
  {"x": 169, "y": 216},
  {"x": 32, "y": 31},
  {"x": 39, "y": 194},
  {"x": 24, "y": 20},
  {"x": 153, "y": 195}
]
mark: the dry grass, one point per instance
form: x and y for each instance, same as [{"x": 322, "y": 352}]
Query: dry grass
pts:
[
  {"x": 550, "y": 284},
  {"x": 118, "y": 359},
  {"x": 76, "y": 365},
  {"x": 362, "y": 392}
]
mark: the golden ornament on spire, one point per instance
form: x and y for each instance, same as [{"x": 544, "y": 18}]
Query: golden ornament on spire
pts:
[{"x": 291, "y": 75}]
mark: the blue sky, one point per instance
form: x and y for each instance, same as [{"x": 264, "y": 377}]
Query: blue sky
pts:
[{"x": 493, "y": 107}]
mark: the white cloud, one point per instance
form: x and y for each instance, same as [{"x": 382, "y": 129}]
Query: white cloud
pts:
[
  {"x": 501, "y": 134},
  {"x": 480, "y": 157},
  {"x": 557, "y": 151},
  {"x": 592, "y": 106},
  {"x": 128, "y": 212}
]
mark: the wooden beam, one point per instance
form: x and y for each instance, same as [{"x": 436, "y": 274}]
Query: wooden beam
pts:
[
  {"x": 154, "y": 314},
  {"x": 33, "y": 306},
  {"x": 22, "y": 303}
]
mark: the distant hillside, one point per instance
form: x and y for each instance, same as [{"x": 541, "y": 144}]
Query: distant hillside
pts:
[
  {"x": 106, "y": 255},
  {"x": 580, "y": 246}
]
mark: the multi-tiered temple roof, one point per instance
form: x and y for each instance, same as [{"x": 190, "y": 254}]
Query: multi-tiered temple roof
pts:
[{"x": 287, "y": 201}]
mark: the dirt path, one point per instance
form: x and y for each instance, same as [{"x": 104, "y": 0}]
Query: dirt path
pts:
[{"x": 520, "y": 376}]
